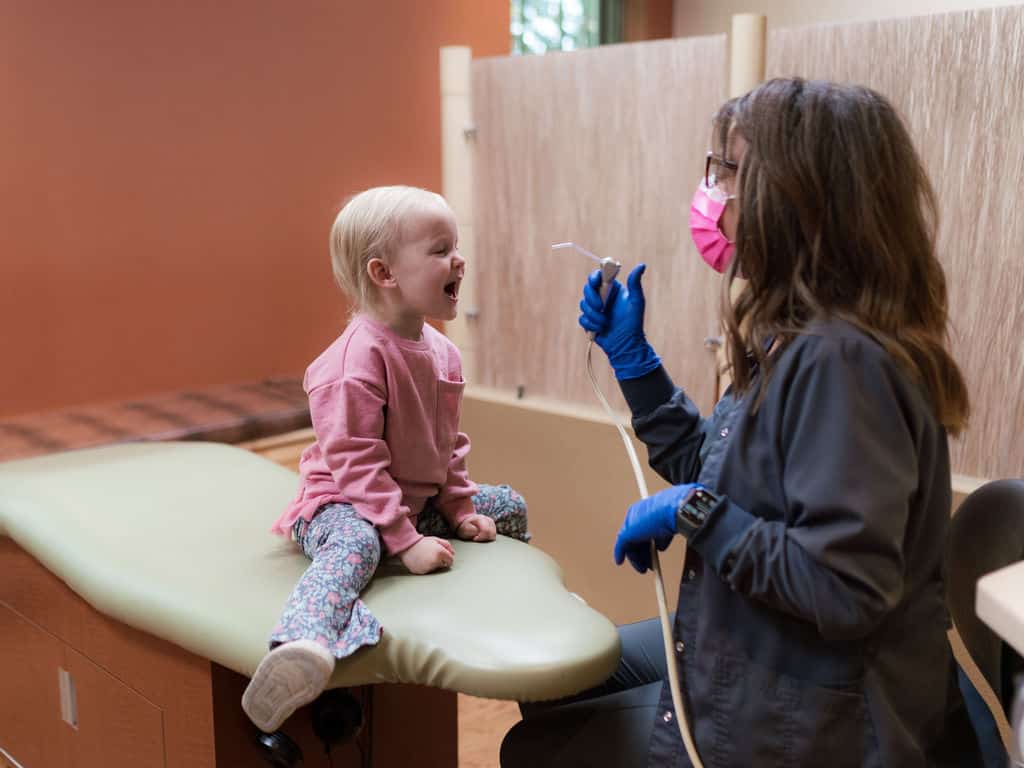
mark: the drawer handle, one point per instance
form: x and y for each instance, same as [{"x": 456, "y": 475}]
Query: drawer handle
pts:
[{"x": 68, "y": 698}]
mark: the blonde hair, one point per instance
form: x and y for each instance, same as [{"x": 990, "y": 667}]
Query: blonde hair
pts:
[{"x": 368, "y": 227}]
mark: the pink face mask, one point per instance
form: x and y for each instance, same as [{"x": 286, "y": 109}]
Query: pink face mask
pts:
[{"x": 705, "y": 211}]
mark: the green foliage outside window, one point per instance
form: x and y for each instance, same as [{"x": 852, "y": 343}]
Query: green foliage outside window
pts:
[{"x": 563, "y": 25}]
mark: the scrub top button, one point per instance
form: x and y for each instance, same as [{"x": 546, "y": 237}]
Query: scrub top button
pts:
[
  {"x": 667, "y": 717},
  {"x": 679, "y": 646},
  {"x": 724, "y": 432}
]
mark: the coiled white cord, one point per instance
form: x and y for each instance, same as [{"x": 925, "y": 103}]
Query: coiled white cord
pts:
[{"x": 659, "y": 584}]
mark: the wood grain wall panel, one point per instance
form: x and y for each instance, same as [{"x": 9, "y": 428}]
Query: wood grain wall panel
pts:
[
  {"x": 603, "y": 147},
  {"x": 958, "y": 79}
]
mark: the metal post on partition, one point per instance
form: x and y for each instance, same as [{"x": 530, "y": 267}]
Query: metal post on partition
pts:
[
  {"x": 746, "y": 71},
  {"x": 457, "y": 136}
]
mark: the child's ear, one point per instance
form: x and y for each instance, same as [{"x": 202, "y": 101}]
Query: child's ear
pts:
[{"x": 380, "y": 273}]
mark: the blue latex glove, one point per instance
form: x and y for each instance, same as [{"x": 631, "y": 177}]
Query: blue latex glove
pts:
[
  {"x": 650, "y": 518},
  {"x": 618, "y": 324}
]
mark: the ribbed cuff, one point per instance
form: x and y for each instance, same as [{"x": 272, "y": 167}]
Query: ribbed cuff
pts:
[
  {"x": 400, "y": 536},
  {"x": 716, "y": 539},
  {"x": 457, "y": 510},
  {"x": 648, "y": 392}
]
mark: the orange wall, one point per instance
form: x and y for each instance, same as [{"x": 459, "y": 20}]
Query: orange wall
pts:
[
  {"x": 646, "y": 20},
  {"x": 170, "y": 172}
]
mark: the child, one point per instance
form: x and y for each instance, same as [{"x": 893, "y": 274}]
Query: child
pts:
[{"x": 387, "y": 472}]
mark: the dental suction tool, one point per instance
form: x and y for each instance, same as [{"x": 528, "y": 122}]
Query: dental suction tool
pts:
[{"x": 609, "y": 271}]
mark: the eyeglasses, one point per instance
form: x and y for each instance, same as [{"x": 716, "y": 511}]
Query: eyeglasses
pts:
[{"x": 710, "y": 179}]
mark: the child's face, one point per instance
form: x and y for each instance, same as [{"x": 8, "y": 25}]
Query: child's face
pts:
[{"x": 427, "y": 265}]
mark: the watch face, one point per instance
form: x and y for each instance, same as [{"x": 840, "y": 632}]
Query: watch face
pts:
[
  {"x": 700, "y": 504},
  {"x": 694, "y": 509}
]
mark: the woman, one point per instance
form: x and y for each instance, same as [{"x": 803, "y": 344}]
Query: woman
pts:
[{"x": 811, "y": 624}]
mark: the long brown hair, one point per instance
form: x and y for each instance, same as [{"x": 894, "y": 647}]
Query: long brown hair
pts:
[{"x": 837, "y": 218}]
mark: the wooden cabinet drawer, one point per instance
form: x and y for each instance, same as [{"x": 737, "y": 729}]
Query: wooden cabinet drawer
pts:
[
  {"x": 113, "y": 724},
  {"x": 116, "y": 725},
  {"x": 30, "y": 724}
]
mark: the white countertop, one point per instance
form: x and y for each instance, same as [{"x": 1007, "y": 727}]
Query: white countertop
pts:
[{"x": 1000, "y": 603}]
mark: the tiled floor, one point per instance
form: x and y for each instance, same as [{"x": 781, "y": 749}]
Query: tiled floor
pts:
[{"x": 482, "y": 725}]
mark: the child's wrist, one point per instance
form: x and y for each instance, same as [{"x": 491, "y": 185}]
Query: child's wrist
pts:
[{"x": 401, "y": 553}]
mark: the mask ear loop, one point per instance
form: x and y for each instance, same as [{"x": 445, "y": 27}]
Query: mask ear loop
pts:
[{"x": 716, "y": 194}]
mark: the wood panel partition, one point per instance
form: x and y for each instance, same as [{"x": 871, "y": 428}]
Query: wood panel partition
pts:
[
  {"x": 958, "y": 79},
  {"x": 603, "y": 147}
]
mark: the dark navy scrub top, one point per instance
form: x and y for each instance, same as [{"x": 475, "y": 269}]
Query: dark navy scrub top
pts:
[{"x": 811, "y": 624}]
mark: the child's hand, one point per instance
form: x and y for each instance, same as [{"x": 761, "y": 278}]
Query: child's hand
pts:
[
  {"x": 428, "y": 554},
  {"x": 476, "y": 528}
]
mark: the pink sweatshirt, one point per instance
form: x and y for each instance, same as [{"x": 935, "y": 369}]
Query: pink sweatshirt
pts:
[{"x": 385, "y": 412}]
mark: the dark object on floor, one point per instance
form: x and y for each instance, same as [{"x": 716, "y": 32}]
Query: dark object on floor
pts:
[{"x": 337, "y": 719}]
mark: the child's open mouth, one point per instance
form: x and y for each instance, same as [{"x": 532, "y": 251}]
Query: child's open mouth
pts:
[{"x": 452, "y": 290}]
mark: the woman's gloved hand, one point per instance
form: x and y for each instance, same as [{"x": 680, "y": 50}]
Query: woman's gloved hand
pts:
[
  {"x": 618, "y": 324},
  {"x": 650, "y": 518}
]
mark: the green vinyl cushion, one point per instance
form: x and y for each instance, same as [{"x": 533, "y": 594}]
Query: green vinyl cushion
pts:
[{"x": 172, "y": 538}]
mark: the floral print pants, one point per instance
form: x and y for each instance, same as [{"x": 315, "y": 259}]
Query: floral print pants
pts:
[{"x": 345, "y": 551}]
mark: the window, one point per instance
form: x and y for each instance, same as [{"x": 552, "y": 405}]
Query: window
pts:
[{"x": 564, "y": 25}]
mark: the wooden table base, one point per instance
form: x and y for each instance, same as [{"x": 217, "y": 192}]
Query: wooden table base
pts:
[{"x": 83, "y": 690}]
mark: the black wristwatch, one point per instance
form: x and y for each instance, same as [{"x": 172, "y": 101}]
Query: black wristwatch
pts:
[{"x": 693, "y": 510}]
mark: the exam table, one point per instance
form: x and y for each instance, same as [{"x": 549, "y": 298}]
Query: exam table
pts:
[{"x": 138, "y": 584}]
